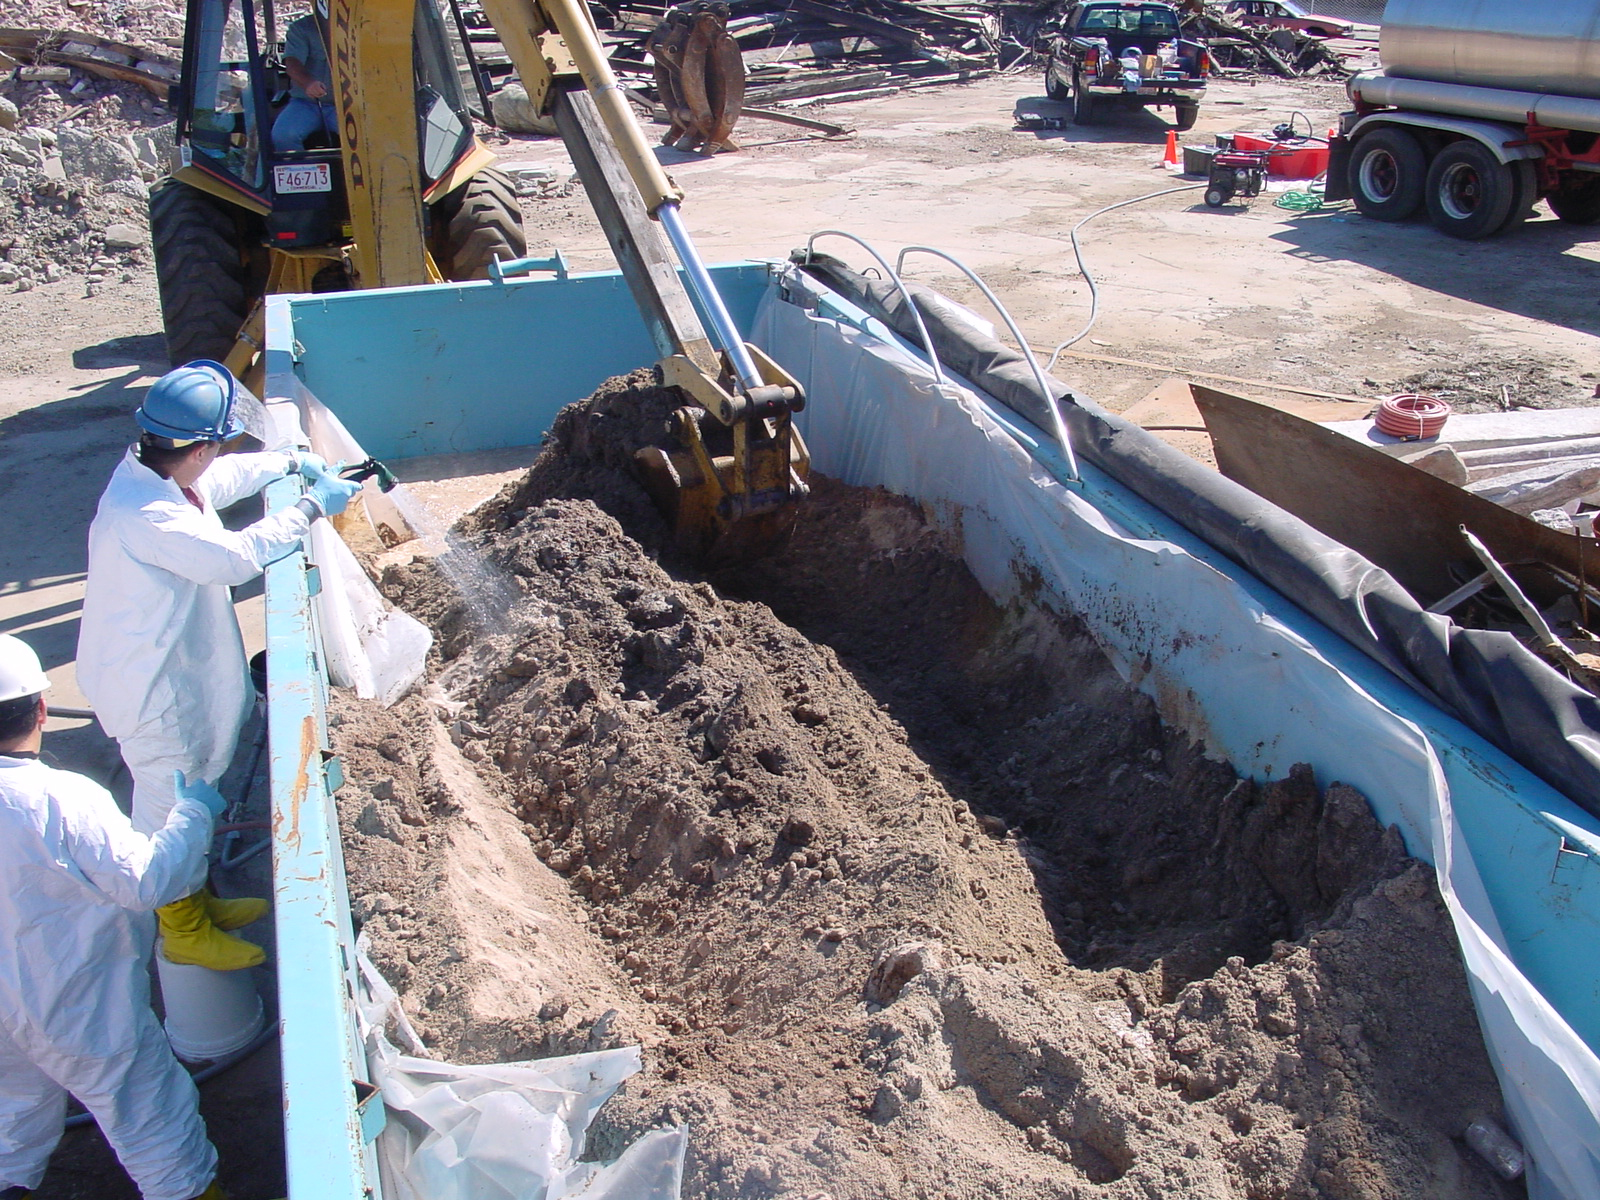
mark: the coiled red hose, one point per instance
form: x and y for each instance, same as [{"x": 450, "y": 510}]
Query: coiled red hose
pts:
[{"x": 1412, "y": 416}]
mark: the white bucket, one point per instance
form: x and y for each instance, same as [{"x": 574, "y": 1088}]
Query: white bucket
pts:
[{"x": 210, "y": 1014}]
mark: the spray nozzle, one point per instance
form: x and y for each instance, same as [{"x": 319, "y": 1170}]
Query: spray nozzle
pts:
[{"x": 371, "y": 469}]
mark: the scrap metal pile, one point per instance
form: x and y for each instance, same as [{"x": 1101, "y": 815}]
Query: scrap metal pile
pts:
[{"x": 800, "y": 49}]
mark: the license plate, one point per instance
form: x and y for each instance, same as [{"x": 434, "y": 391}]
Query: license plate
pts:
[{"x": 302, "y": 177}]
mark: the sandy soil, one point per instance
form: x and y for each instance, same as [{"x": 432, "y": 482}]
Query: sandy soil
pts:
[{"x": 903, "y": 893}]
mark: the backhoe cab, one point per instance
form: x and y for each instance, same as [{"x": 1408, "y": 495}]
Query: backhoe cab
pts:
[{"x": 241, "y": 216}]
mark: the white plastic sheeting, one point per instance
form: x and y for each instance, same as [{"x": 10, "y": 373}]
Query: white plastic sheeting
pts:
[
  {"x": 505, "y": 1131},
  {"x": 368, "y": 644},
  {"x": 1219, "y": 652}
]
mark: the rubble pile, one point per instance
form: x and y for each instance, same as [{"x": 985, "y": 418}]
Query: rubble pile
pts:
[
  {"x": 84, "y": 130},
  {"x": 800, "y": 50},
  {"x": 1290, "y": 53}
]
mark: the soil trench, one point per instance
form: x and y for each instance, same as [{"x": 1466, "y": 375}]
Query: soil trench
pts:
[{"x": 904, "y": 893}]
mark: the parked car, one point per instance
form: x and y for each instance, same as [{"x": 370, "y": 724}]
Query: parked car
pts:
[
  {"x": 1122, "y": 52},
  {"x": 1285, "y": 14}
]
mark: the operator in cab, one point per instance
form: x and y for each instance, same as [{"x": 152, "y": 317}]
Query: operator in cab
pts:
[
  {"x": 160, "y": 654},
  {"x": 75, "y": 937},
  {"x": 310, "y": 108}
]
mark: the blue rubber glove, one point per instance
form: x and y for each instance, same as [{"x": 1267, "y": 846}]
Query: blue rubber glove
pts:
[
  {"x": 312, "y": 466},
  {"x": 202, "y": 792},
  {"x": 332, "y": 494}
]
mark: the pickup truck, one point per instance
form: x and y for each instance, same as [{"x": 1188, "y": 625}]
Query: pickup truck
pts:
[{"x": 1129, "y": 53}]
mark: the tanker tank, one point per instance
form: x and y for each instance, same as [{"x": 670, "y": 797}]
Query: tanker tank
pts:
[{"x": 1550, "y": 46}]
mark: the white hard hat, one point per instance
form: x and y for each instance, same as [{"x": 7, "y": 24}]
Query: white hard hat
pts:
[{"x": 20, "y": 672}]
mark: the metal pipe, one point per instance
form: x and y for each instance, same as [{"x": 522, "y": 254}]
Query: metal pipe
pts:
[
  {"x": 1052, "y": 406},
  {"x": 894, "y": 277},
  {"x": 704, "y": 287}
]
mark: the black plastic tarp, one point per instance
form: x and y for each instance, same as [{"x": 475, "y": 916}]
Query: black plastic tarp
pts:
[{"x": 1487, "y": 679}]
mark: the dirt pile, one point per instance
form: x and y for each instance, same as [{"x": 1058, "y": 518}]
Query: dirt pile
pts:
[{"x": 909, "y": 895}]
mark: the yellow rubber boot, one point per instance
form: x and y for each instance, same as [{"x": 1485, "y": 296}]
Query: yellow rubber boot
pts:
[
  {"x": 212, "y": 1193},
  {"x": 233, "y": 914},
  {"x": 189, "y": 937}
]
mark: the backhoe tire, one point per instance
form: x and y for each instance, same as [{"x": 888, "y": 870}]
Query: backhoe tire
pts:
[
  {"x": 483, "y": 222},
  {"x": 203, "y": 271}
]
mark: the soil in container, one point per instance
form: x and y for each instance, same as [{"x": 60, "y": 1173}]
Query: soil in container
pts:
[{"x": 904, "y": 893}]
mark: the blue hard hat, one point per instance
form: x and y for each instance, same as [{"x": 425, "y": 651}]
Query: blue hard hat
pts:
[{"x": 192, "y": 403}]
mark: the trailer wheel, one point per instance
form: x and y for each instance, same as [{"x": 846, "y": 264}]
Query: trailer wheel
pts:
[
  {"x": 482, "y": 221},
  {"x": 1085, "y": 106},
  {"x": 1388, "y": 171},
  {"x": 1524, "y": 193},
  {"x": 203, "y": 272},
  {"x": 1185, "y": 115},
  {"x": 1469, "y": 191},
  {"x": 1054, "y": 87},
  {"x": 1577, "y": 205}
]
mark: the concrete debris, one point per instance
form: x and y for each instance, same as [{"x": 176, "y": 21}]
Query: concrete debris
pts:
[
  {"x": 1442, "y": 461},
  {"x": 8, "y": 114},
  {"x": 514, "y": 112},
  {"x": 45, "y": 74},
  {"x": 96, "y": 159},
  {"x": 539, "y": 182},
  {"x": 1547, "y": 485},
  {"x": 125, "y": 237}
]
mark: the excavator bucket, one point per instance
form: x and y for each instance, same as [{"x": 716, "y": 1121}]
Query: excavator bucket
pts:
[
  {"x": 699, "y": 76},
  {"x": 722, "y": 514}
]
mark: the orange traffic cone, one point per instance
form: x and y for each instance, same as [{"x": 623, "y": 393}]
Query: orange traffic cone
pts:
[{"x": 1170, "y": 158}]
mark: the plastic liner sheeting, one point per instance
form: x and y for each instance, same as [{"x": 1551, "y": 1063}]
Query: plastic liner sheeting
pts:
[
  {"x": 1487, "y": 678},
  {"x": 505, "y": 1131},
  {"x": 369, "y": 645},
  {"x": 1220, "y": 655}
]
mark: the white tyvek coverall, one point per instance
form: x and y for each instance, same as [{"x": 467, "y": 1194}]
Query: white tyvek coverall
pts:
[
  {"x": 76, "y": 888},
  {"x": 160, "y": 656}
]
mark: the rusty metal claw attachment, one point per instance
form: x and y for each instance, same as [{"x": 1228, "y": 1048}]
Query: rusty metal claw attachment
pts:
[{"x": 699, "y": 76}]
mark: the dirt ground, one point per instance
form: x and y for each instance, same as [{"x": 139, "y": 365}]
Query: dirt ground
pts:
[
  {"x": 1327, "y": 301},
  {"x": 903, "y": 893}
]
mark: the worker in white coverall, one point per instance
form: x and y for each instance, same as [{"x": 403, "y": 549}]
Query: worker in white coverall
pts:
[
  {"x": 77, "y": 884},
  {"x": 160, "y": 656}
]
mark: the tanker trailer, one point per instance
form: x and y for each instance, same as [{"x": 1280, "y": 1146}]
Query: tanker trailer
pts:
[{"x": 1481, "y": 109}]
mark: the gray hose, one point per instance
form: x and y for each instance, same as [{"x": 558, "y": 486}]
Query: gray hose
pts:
[{"x": 1094, "y": 290}]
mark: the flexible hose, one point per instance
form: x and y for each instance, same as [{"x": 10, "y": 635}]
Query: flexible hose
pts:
[
  {"x": 1412, "y": 416},
  {"x": 78, "y": 1120},
  {"x": 1094, "y": 289},
  {"x": 228, "y": 860}
]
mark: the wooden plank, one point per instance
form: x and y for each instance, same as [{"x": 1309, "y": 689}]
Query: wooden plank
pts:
[{"x": 1405, "y": 520}]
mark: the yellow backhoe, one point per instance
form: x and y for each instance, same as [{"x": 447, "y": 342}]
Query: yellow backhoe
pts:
[{"x": 404, "y": 194}]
